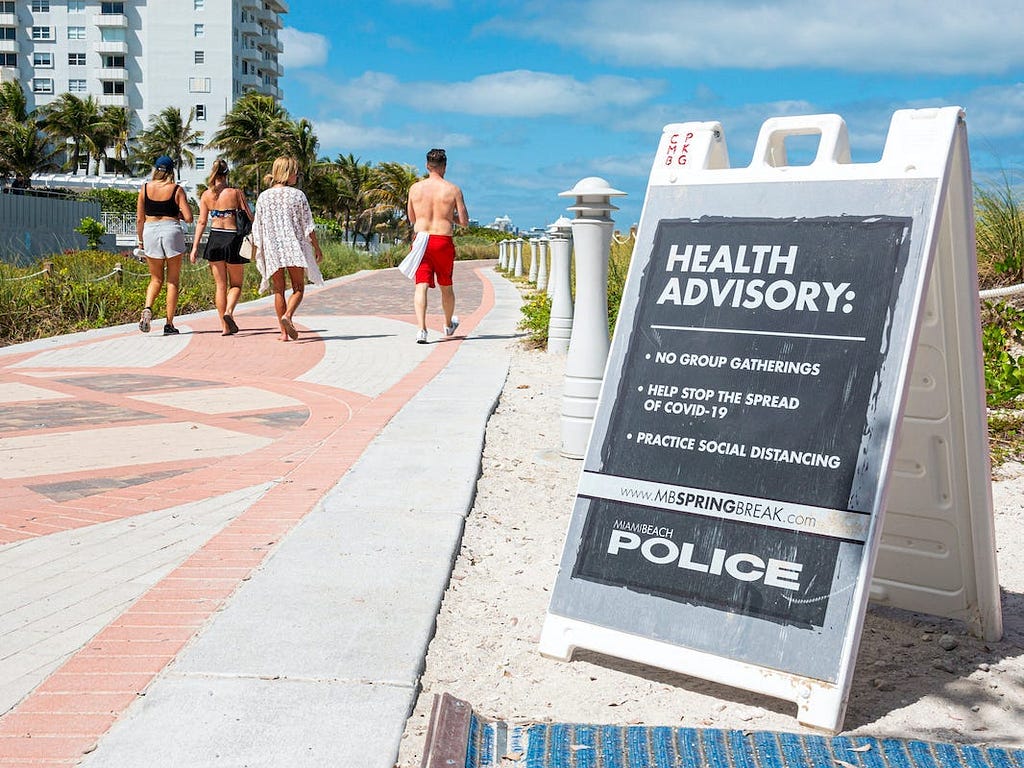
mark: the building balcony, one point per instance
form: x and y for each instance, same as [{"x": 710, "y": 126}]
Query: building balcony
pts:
[
  {"x": 270, "y": 43},
  {"x": 278, "y": 5},
  {"x": 252, "y": 5},
  {"x": 9, "y": 46},
  {"x": 9, "y": 75},
  {"x": 251, "y": 54},
  {"x": 110, "y": 20},
  {"x": 251, "y": 80},
  {"x": 269, "y": 19},
  {"x": 250, "y": 29},
  {"x": 113, "y": 73},
  {"x": 272, "y": 67},
  {"x": 112, "y": 100},
  {"x": 111, "y": 46},
  {"x": 9, "y": 20}
]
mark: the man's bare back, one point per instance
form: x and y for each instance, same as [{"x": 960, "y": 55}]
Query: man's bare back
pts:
[{"x": 434, "y": 204}]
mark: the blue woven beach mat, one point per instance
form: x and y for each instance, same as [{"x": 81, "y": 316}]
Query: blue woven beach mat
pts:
[{"x": 462, "y": 739}]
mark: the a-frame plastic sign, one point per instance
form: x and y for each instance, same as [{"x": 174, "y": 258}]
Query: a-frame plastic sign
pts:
[{"x": 794, "y": 392}]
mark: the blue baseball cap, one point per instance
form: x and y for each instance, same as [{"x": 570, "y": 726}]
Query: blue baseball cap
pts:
[{"x": 164, "y": 163}]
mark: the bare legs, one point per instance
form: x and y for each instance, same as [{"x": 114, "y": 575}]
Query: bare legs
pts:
[
  {"x": 285, "y": 309},
  {"x": 227, "y": 280},
  {"x": 447, "y": 303},
  {"x": 161, "y": 270},
  {"x": 419, "y": 301}
]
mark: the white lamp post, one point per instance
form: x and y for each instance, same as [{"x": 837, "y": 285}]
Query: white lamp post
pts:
[
  {"x": 588, "y": 344},
  {"x": 560, "y": 288},
  {"x": 533, "y": 260},
  {"x": 542, "y": 263}
]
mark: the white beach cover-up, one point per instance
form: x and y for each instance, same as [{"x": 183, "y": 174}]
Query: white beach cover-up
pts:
[
  {"x": 280, "y": 231},
  {"x": 411, "y": 262}
]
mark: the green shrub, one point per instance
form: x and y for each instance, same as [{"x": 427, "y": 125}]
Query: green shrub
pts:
[
  {"x": 999, "y": 234},
  {"x": 92, "y": 230},
  {"x": 111, "y": 200},
  {"x": 1002, "y": 333},
  {"x": 536, "y": 311}
]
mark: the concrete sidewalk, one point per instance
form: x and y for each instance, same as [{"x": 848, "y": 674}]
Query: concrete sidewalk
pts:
[{"x": 230, "y": 550}]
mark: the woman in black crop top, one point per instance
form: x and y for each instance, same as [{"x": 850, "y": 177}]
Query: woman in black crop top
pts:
[{"x": 161, "y": 208}]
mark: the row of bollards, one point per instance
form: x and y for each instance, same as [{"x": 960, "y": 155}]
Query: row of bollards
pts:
[{"x": 578, "y": 329}]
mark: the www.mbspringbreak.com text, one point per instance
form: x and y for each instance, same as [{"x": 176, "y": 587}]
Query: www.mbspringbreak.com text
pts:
[{"x": 755, "y": 511}]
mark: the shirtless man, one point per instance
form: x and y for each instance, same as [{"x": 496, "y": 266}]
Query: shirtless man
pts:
[{"x": 434, "y": 205}]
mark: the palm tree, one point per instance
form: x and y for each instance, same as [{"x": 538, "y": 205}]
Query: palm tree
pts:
[
  {"x": 169, "y": 134},
  {"x": 296, "y": 139},
  {"x": 390, "y": 195},
  {"x": 24, "y": 151},
  {"x": 250, "y": 137},
  {"x": 71, "y": 120},
  {"x": 353, "y": 189},
  {"x": 13, "y": 104},
  {"x": 118, "y": 124}
]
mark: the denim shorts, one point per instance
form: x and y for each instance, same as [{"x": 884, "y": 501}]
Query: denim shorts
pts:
[{"x": 163, "y": 239}]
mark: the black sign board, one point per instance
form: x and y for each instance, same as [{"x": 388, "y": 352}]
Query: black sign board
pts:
[{"x": 753, "y": 355}]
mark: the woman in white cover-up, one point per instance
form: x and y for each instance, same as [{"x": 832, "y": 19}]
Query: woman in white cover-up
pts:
[{"x": 285, "y": 244}]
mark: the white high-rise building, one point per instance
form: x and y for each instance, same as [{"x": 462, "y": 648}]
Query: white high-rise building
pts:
[{"x": 145, "y": 55}]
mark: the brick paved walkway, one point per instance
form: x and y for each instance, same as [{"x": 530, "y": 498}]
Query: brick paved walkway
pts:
[{"x": 145, "y": 477}]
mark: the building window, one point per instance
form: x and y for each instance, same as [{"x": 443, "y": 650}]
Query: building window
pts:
[
  {"x": 199, "y": 5},
  {"x": 42, "y": 85},
  {"x": 76, "y": 33},
  {"x": 8, "y": 33},
  {"x": 113, "y": 87},
  {"x": 200, "y": 111},
  {"x": 113, "y": 62},
  {"x": 42, "y": 33},
  {"x": 76, "y": 6},
  {"x": 199, "y": 84},
  {"x": 198, "y": 30},
  {"x": 109, "y": 9},
  {"x": 200, "y": 57},
  {"x": 76, "y": 86},
  {"x": 41, "y": 6},
  {"x": 200, "y": 163},
  {"x": 76, "y": 59},
  {"x": 7, "y": 6},
  {"x": 8, "y": 60},
  {"x": 113, "y": 35},
  {"x": 42, "y": 60}
]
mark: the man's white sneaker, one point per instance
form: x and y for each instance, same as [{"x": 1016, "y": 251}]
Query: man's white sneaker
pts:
[
  {"x": 449, "y": 330},
  {"x": 421, "y": 336}
]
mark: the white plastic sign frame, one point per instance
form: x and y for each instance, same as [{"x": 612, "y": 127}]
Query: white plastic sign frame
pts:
[{"x": 782, "y": 329}]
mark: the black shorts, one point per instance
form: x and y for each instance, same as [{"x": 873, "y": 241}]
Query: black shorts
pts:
[{"x": 224, "y": 245}]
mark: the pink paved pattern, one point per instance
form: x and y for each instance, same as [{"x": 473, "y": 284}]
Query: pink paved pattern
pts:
[{"x": 65, "y": 716}]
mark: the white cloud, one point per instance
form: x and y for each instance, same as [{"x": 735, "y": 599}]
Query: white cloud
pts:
[
  {"x": 998, "y": 110},
  {"x": 341, "y": 136},
  {"x": 523, "y": 93},
  {"x": 520, "y": 93},
  {"x": 913, "y": 36},
  {"x": 303, "y": 49}
]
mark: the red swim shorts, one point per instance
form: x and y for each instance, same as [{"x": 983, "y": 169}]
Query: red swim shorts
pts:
[{"x": 438, "y": 261}]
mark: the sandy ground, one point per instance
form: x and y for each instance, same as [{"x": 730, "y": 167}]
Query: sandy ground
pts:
[{"x": 916, "y": 676}]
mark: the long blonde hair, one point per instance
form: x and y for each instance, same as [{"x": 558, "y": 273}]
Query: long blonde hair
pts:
[
  {"x": 282, "y": 171},
  {"x": 219, "y": 171}
]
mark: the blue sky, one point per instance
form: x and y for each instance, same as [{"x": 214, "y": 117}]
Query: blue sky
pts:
[{"x": 530, "y": 96}]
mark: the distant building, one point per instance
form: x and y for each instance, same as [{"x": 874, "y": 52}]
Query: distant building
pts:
[
  {"x": 502, "y": 224},
  {"x": 145, "y": 55}
]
